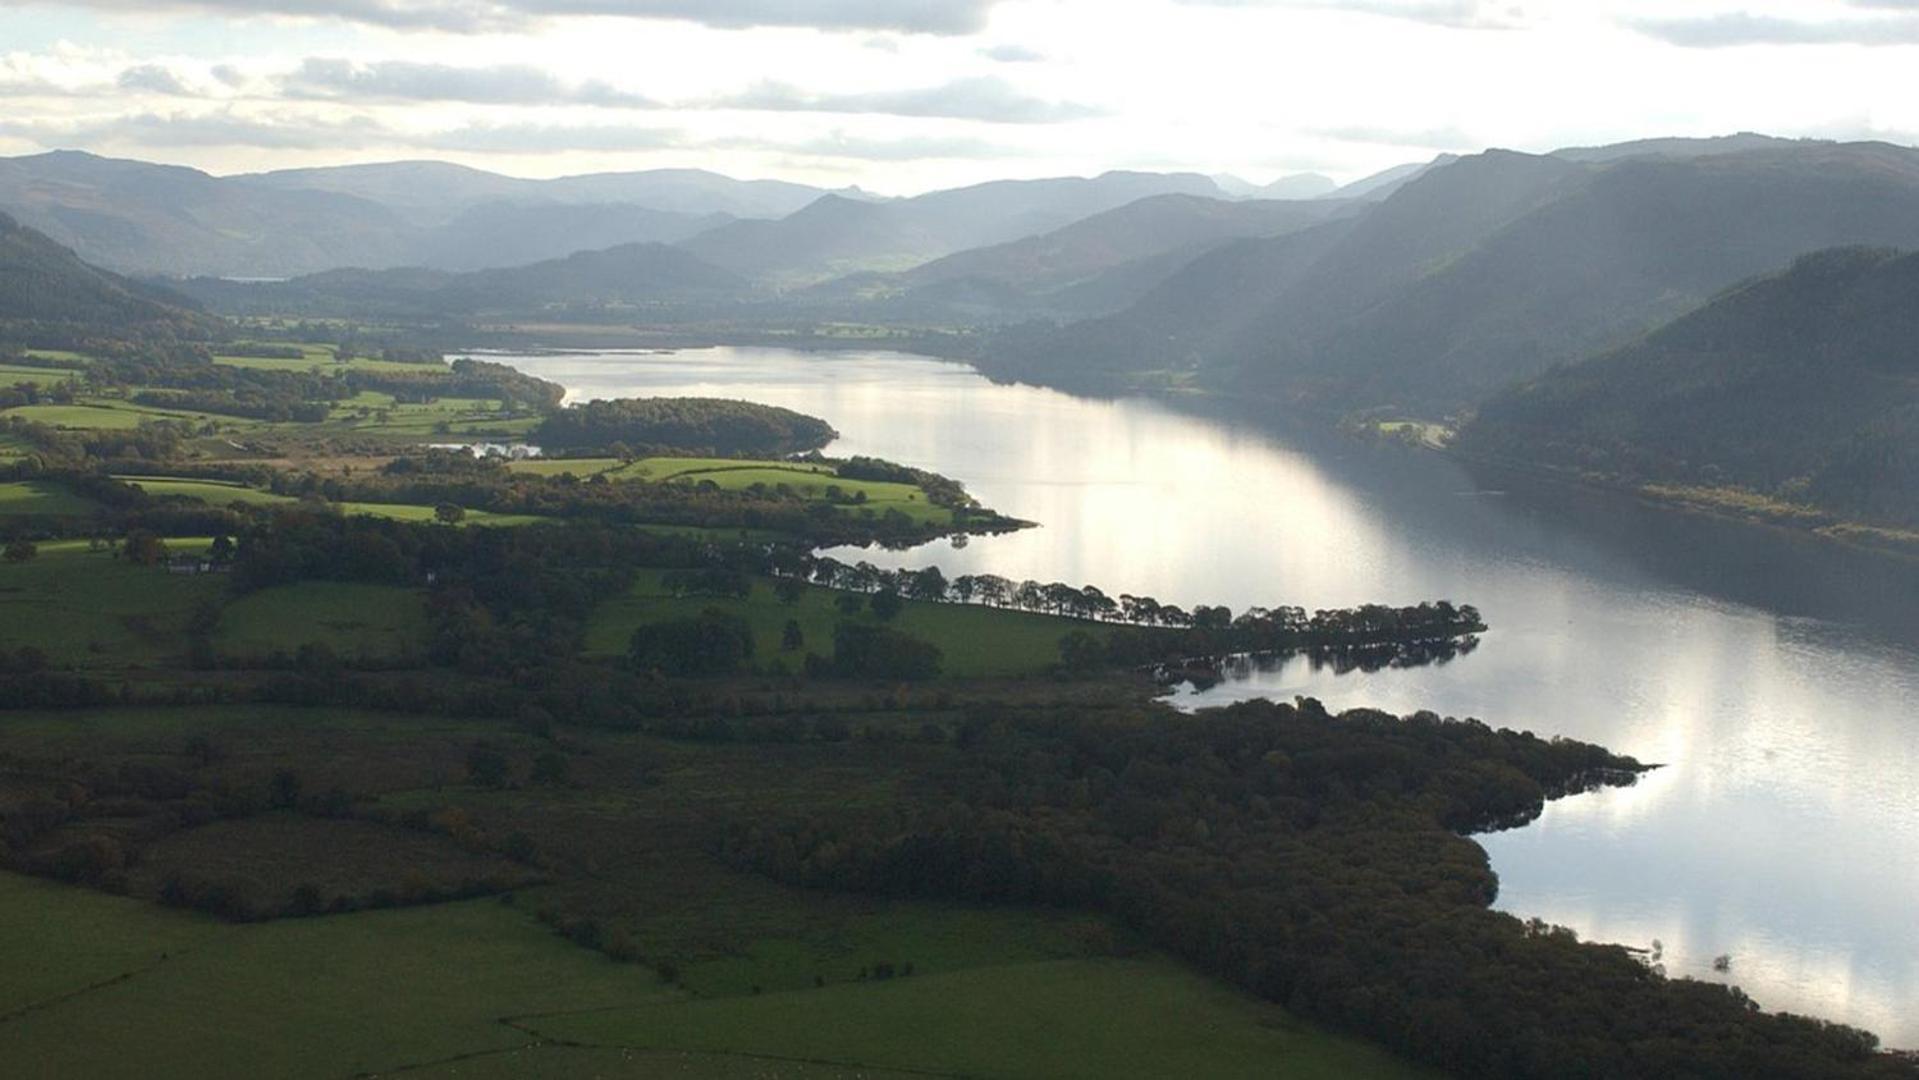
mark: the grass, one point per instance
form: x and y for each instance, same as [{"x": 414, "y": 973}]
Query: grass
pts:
[
  {"x": 1094, "y": 1018},
  {"x": 109, "y": 414},
  {"x": 802, "y": 478},
  {"x": 322, "y": 358},
  {"x": 351, "y": 619},
  {"x": 978, "y": 642},
  {"x": 91, "y": 609},
  {"x": 226, "y": 492},
  {"x": 14, "y": 374},
  {"x": 329, "y": 997},
  {"x": 370, "y": 412},
  {"x": 40, "y": 497},
  {"x": 480, "y": 989}
]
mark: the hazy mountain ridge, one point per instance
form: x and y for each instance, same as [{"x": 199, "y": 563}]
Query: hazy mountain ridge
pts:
[
  {"x": 625, "y": 277},
  {"x": 1487, "y": 270},
  {"x": 837, "y": 235},
  {"x": 139, "y": 218},
  {"x": 1801, "y": 386},
  {"x": 1092, "y": 266}
]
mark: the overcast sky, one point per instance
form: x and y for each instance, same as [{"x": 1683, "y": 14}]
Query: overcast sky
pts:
[{"x": 905, "y": 95}]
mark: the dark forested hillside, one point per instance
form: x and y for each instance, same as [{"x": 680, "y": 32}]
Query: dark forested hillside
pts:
[
  {"x": 45, "y": 286},
  {"x": 1488, "y": 270},
  {"x": 1802, "y": 386}
]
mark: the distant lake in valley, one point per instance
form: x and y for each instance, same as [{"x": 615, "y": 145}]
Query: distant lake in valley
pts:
[{"x": 1774, "y": 675}]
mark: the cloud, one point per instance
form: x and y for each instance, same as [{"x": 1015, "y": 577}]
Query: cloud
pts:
[
  {"x": 1012, "y": 54},
  {"x": 1453, "y": 14},
  {"x": 1740, "y": 28},
  {"x": 224, "y": 129},
  {"x": 484, "y": 16},
  {"x": 152, "y": 79},
  {"x": 552, "y": 138},
  {"x": 981, "y": 98},
  {"x": 1440, "y": 138},
  {"x": 841, "y": 145},
  {"x": 403, "y": 80}
]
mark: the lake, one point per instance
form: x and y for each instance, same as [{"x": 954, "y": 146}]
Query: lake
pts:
[{"x": 1775, "y": 676}]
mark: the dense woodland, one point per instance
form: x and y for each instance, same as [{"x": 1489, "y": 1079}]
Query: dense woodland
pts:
[{"x": 1798, "y": 386}]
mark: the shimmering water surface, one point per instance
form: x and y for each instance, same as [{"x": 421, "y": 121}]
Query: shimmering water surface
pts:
[{"x": 1775, "y": 676}]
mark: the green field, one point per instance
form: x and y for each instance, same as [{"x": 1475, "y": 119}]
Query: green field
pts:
[
  {"x": 91, "y": 609},
  {"x": 480, "y": 989},
  {"x": 321, "y": 358},
  {"x": 39, "y": 497},
  {"x": 332, "y": 997},
  {"x": 14, "y": 374},
  {"x": 351, "y": 619},
  {"x": 226, "y": 492},
  {"x": 1094, "y": 1018},
  {"x": 978, "y": 642},
  {"x": 110, "y": 414},
  {"x": 804, "y": 479}
]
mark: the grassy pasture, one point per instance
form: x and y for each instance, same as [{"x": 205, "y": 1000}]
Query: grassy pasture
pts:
[
  {"x": 226, "y": 492},
  {"x": 978, "y": 642},
  {"x": 15, "y": 374},
  {"x": 805, "y": 479},
  {"x": 110, "y": 414},
  {"x": 328, "y": 997},
  {"x": 40, "y": 497},
  {"x": 322, "y": 358},
  {"x": 91, "y": 609},
  {"x": 351, "y": 619},
  {"x": 1094, "y": 1018}
]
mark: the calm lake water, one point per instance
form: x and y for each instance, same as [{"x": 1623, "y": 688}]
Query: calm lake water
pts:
[{"x": 1774, "y": 676}]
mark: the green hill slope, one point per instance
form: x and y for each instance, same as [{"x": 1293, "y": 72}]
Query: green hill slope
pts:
[{"x": 1801, "y": 387}]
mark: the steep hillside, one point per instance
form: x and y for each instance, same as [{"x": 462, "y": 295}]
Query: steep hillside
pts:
[
  {"x": 1151, "y": 226},
  {"x": 1488, "y": 270},
  {"x": 44, "y": 286},
  {"x": 1803, "y": 387},
  {"x": 133, "y": 217}
]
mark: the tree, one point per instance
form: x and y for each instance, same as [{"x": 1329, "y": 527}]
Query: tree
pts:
[
  {"x": 551, "y": 768},
  {"x": 792, "y": 639},
  {"x": 19, "y": 551},
  {"x": 486, "y": 766},
  {"x": 142, "y": 547},
  {"x": 449, "y": 513},
  {"x": 789, "y": 591},
  {"x": 284, "y": 791},
  {"x": 711, "y": 643},
  {"x": 886, "y": 604},
  {"x": 222, "y": 550},
  {"x": 1081, "y": 652}
]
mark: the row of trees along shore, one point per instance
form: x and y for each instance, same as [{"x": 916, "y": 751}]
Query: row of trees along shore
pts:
[{"x": 1205, "y": 630}]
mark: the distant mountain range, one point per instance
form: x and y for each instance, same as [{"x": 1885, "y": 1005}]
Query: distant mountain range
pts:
[
  {"x": 1802, "y": 386},
  {"x": 838, "y": 235},
  {"x": 139, "y": 218},
  {"x": 618, "y": 282},
  {"x": 1486, "y": 270}
]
